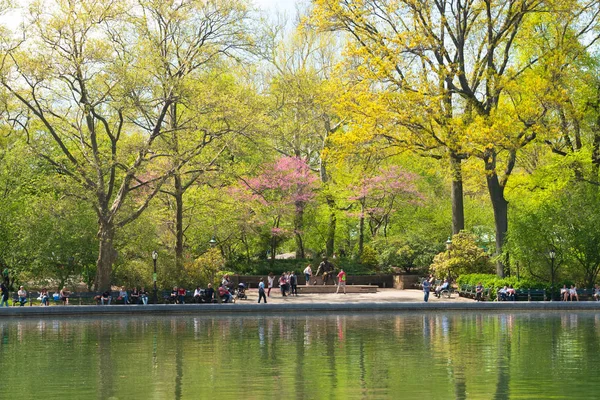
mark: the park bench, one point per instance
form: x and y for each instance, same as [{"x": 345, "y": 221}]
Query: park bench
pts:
[{"x": 585, "y": 294}]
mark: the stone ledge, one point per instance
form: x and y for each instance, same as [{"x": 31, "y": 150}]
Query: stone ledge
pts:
[{"x": 253, "y": 308}]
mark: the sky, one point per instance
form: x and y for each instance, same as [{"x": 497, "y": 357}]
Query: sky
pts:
[{"x": 287, "y": 6}]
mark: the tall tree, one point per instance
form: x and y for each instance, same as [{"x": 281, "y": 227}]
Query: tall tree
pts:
[
  {"x": 457, "y": 66},
  {"x": 189, "y": 42},
  {"x": 95, "y": 97}
]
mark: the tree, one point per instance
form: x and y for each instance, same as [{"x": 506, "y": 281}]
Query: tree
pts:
[
  {"x": 285, "y": 186},
  {"x": 379, "y": 195},
  {"x": 96, "y": 95},
  {"x": 189, "y": 42},
  {"x": 301, "y": 94},
  {"x": 462, "y": 66}
]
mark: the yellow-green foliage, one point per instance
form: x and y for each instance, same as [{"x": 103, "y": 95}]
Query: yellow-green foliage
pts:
[
  {"x": 204, "y": 269},
  {"x": 464, "y": 257}
]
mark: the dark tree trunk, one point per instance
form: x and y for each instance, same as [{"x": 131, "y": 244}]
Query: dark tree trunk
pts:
[
  {"x": 179, "y": 237},
  {"x": 330, "y": 242},
  {"x": 500, "y": 207},
  {"x": 361, "y": 229},
  {"x": 106, "y": 255},
  {"x": 458, "y": 210},
  {"x": 298, "y": 228}
]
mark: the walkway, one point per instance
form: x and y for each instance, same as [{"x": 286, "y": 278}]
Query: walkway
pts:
[{"x": 384, "y": 300}]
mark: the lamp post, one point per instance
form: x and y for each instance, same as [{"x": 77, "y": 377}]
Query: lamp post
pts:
[
  {"x": 212, "y": 242},
  {"x": 552, "y": 255},
  {"x": 154, "y": 258},
  {"x": 448, "y": 247}
]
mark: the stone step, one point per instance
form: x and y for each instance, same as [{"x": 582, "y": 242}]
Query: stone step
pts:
[{"x": 333, "y": 288}]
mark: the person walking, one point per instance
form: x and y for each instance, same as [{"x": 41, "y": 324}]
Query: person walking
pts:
[
  {"x": 3, "y": 295},
  {"x": 261, "y": 291},
  {"x": 426, "y": 288},
  {"x": 341, "y": 280},
  {"x": 270, "y": 282}
]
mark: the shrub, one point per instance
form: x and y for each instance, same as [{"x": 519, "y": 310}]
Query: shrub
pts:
[
  {"x": 465, "y": 257},
  {"x": 493, "y": 282}
]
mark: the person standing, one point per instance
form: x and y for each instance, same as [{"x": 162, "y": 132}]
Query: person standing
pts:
[
  {"x": 282, "y": 283},
  {"x": 426, "y": 288},
  {"x": 270, "y": 282},
  {"x": 3, "y": 295},
  {"x": 308, "y": 274},
  {"x": 341, "y": 280},
  {"x": 479, "y": 292},
  {"x": 261, "y": 291},
  {"x": 293, "y": 284}
]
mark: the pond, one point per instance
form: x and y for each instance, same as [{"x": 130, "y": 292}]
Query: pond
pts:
[{"x": 347, "y": 356}]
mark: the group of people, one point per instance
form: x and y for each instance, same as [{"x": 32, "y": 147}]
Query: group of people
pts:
[
  {"x": 568, "y": 294},
  {"x": 135, "y": 297},
  {"x": 23, "y": 296},
  {"x": 429, "y": 284},
  {"x": 507, "y": 293}
]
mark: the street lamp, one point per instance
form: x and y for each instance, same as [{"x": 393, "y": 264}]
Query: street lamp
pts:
[
  {"x": 448, "y": 243},
  {"x": 154, "y": 258},
  {"x": 212, "y": 242},
  {"x": 552, "y": 255}
]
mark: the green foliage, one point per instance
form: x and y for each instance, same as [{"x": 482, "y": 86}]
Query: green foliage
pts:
[
  {"x": 406, "y": 253},
  {"x": 464, "y": 257},
  {"x": 206, "y": 268},
  {"x": 492, "y": 281},
  {"x": 368, "y": 258}
]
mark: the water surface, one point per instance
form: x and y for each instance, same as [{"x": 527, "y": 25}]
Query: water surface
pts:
[{"x": 347, "y": 356}]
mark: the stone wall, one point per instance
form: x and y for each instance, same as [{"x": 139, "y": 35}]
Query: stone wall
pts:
[{"x": 381, "y": 280}]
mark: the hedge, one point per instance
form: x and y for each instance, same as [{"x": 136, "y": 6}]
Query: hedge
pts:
[{"x": 493, "y": 282}]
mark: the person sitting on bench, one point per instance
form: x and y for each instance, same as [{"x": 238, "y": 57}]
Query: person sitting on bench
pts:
[
  {"x": 510, "y": 292},
  {"x": 198, "y": 293},
  {"x": 209, "y": 294},
  {"x": 503, "y": 293},
  {"x": 442, "y": 287},
  {"x": 173, "y": 296},
  {"x": 144, "y": 296},
  {"x": 64, "y": 296},
  {"x": 44, "y": 297},
  {"x": 105, "y": 298},
  {"x": 22, "y": 293}
]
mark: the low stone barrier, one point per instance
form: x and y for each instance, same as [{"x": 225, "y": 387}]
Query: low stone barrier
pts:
[{"x": 261, "y": 309}]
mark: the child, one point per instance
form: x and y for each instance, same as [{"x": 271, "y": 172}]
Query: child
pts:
[{"x": 261, "y": 291}]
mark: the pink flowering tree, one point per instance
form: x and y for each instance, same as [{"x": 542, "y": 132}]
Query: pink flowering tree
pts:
[
  {"x": 379, "y": 196},
  {"x": 283, "y": 189}
]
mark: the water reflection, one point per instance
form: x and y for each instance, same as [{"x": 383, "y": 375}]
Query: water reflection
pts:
[{"x": 446, "y": 355}]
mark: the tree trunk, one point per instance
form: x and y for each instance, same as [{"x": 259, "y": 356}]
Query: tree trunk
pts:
[
  {"x": 298, "y": 227},
  {"x": 106, "y": 255},
  {"x": 500, "y": 207},
  {"x": 330, "y": 242},
  {"x": 178, "y": 194},
  {"x": 361, "y": 229},
  {"x": 458, "y": 210}
]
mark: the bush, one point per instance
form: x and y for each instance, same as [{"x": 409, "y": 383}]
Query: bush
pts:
[
  {"x": 465, "y": 257},
  {"x": 368, "y": 258}
]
